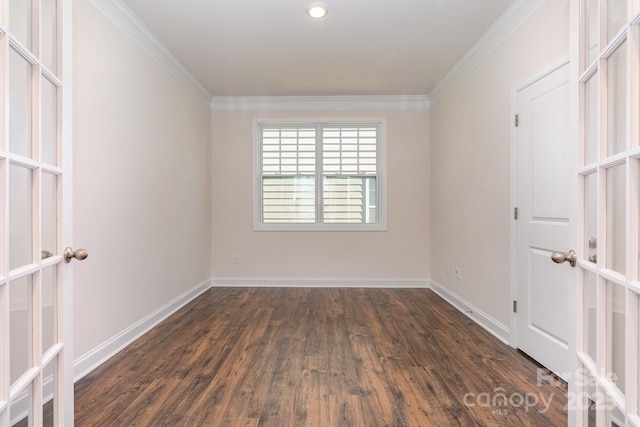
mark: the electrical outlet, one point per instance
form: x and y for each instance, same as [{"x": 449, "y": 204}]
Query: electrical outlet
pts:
[
  {"x": 446, "y": 268},
  {"x": 458, "y": 273},
  {"x": 236, "y": 259}
]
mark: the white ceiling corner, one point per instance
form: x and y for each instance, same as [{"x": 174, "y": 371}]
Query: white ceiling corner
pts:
[
  {"x": 136, "y": 30},
  {"x": 384, "y": 61},
  {"x": 257, "y": 48},
  {"x": 501, "y": 29}
]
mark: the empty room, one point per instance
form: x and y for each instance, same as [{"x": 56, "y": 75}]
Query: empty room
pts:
[{"x": 320, "y": 213}]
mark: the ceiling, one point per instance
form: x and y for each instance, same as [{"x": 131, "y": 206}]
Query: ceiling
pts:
[{"x": 362, "y": 47}]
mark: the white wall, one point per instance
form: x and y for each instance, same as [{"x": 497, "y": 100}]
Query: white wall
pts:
[
  {"x": 470, "y": 162},
  {"x": 142, "y": 198},
  {"x": 402, "y": 252}
]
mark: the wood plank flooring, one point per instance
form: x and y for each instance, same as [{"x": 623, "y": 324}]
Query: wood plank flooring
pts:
[{"x": 318, "y": 357}]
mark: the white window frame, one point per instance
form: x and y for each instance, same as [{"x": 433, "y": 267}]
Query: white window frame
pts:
[{"x": 381, "y": 177}]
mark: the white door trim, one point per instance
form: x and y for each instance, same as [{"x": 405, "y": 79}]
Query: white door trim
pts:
[{"x": 65, "y": 373}]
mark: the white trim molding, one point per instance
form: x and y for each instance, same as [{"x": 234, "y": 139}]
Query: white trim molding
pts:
[
  {"x": 321, "y": 103},
  {"x": 318, "y": 282},
  {"x": 317, "y": 123},
  {"x": 124, "y": 19},
  {"x": 91, "y": 360},
  {"x": 484, "y": 320},
  {"x": 96, "y": 357},
  {"x": 496, "y": 328},
  {"x": 509, "y": 21}
]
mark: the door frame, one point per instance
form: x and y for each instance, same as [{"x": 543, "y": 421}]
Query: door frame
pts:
[{"x": 65, "y": 387}]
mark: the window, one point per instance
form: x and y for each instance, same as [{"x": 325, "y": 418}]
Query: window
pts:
[{"x": 319, "y": 175}]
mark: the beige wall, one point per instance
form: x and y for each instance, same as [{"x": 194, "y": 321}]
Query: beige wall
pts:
[
  {"x": 141, "y": 182},
  {"x": 402, "y": 252},
  {"x": 470, "y": 162},
  {"x": 163, "y": 186}
]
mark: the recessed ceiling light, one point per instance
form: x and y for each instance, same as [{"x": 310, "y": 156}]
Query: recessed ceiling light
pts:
[{"x": 317, "y": 10}]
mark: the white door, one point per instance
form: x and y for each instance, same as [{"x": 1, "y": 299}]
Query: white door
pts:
[
  {"x": 606, "y": 48},
  {"x": 35, "y": 291},
  {"x": 546, "y": 212}
]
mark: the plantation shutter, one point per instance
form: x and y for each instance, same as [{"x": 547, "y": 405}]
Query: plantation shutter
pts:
[
  {"x": 288, "y": 174},
  {"x": 319, "y": 173},
  {"x": 349, "y": 163}
]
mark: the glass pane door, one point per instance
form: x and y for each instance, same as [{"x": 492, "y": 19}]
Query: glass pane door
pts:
[
  {"x": 608, "y": 279},
  {"x": 31, "y": 261}
]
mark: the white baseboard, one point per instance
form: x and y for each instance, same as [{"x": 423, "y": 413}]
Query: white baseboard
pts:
[
  {"x": 91, "y": 360},
  {"x": 307, "y": 282},
  {"x": 484, "y": 320},
  {"x": 498, "y": 329}
]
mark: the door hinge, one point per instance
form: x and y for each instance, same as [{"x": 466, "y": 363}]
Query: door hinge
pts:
[
  {"x": 517, "y": 120},
  {"x": 515, "y": 306},
  {"x": 515, "y": 213}
]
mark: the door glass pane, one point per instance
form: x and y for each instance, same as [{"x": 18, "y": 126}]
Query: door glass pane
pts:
[
  {"x": 20, "y": 21},
  {"x": 617, "y": 101},
  {"x": 591, "y": 120},
  {"x": 49, "y": 215},
  {"x": 49, "y": 34},
  {"x": 49, "y": 117},
  {"x": 591, "y": 30},
  {"x": 588, "y": 397},
  {"x": 615, "y": 417},
  {"x": 48, "y": 406},
  {"x": 49, "y": 325},
  {"x": 590, "y": 217},
  {"x": 17, "y": 412},
  {"x": 616, "y": 206},
  {"x": 616, "y": 17},
  {"x": 19, "y": 104},
  {"x": 615, "y": 333},
  {"x": 20, "y": 318},
  {"x": 589, "y": 314},
  {"x": 20, "y": 218}
]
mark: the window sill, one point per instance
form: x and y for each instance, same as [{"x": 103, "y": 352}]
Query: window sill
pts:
[{"x": 320, "y": 227}]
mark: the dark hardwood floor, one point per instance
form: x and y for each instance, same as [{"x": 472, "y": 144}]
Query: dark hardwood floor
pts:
[{"x": 318, "y": 357}]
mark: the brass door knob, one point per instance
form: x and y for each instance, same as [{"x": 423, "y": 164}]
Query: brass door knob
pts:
[
  {"x": 79, "y": 254},
  {"x": 560, "y": 257}
]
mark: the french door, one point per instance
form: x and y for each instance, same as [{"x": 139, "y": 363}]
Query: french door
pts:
[
  {"x": 608, "y": 346},
  {"x": 36, "y": 380}
]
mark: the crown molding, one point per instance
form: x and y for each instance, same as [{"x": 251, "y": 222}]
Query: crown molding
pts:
[
  {"x": 507, "y": 24},
  {"x": 130, "y": 25},
  {"x": 320, "y": 103},
  {"x": 125, "y": 20}
]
